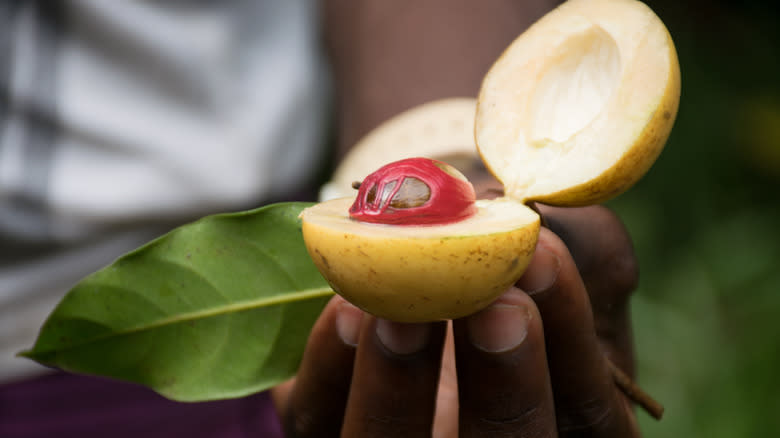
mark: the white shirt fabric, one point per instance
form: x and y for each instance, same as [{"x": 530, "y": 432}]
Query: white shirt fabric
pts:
[{"x": 124, "y": 117}]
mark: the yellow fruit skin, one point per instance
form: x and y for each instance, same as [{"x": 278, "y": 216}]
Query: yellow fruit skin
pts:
[{"x": 420, "y": 279}]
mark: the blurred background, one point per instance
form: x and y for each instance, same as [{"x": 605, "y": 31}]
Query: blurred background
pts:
[{"x": 706, "y": 227}]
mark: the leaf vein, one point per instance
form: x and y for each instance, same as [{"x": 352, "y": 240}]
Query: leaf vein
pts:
[
  {"x": 267, "y": 255},
  {"x": 281, "y": 298}
]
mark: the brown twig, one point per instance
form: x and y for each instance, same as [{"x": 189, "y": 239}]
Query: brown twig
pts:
[{"x": 635, "y": 393}]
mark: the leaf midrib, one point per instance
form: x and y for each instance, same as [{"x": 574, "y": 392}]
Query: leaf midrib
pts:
[{"x": 241, "y": 306}]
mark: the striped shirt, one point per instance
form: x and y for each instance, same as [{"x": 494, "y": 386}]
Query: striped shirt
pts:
[{"x": 119, "y": 119}]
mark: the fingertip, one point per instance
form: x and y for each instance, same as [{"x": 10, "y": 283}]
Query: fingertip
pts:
[
  {"x": 502, "y": 326},
  {"x": 348, "y": 321},
  {"x": 402, "y": 338},
  {"x": 542, "y": 272},
  {"x": 505, "y": 337}
]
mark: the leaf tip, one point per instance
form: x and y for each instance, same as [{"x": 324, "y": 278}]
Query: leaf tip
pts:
[
  {"x": 34, "y": 355},
  {"x": 27, "y": 354}
]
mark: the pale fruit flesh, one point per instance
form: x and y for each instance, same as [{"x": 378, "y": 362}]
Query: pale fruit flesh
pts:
[
  {"x": 579, "y": 106},
  {"x": 419, "y": 273}
]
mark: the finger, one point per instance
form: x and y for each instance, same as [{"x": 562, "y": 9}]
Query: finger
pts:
[
  {"x": 318, "y": 395},
  {"x": 601, "y": 247},
  {"x": 445, "y": 421},
  {"x": 395, "y": 379},
  {"x": 602, "y": 250},
  {"x": 280, "y": 394},
  {"x": 503, "y": 380},
  {"x": 586, "y": 399}
]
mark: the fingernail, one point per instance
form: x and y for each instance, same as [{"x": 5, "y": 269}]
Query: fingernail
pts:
[
  {"x": 348, "y": 323},
  {"x": 402, "y": 338},
  {"x": 500, "y": 327},
  {"x": 541, "y": 273}
]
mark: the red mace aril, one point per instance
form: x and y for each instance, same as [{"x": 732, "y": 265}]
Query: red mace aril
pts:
[{"x": 414, "y": 191}]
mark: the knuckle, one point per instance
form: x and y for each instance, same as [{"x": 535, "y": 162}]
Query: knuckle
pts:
[
  {"x": 589, "y": 416},
  {"x": 300, "y": 426},
  {"x": 393, "y": 425},
  {"x": 532, "y": 421}
]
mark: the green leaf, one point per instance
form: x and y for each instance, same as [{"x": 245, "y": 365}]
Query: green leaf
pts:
[{"x": 215, "y": 309}]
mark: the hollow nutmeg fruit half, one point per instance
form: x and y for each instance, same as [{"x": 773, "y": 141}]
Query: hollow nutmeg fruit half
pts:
[{"x": 579, "y": 107}]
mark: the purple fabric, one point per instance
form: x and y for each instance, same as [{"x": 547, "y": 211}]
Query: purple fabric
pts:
[{"x": 65, "y": 405}]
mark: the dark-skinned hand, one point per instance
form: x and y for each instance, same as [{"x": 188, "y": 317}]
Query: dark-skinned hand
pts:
[{"x": 532, "y": 364}]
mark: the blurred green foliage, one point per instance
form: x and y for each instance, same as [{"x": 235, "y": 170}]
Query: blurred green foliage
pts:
[{"x": 706, "y": 227}]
